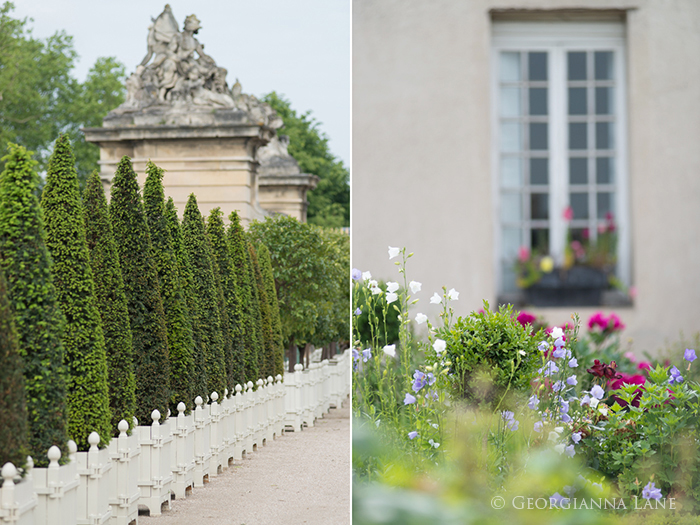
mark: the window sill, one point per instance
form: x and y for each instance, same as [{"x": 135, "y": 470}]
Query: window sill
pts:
[{"x": 609, "y": 299}]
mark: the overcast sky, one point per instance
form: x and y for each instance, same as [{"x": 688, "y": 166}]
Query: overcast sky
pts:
[{"x": 299, "y": 48}]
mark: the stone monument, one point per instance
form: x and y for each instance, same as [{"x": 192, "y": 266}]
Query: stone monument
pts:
[
  {"x": 283, "y": 187},
  {"x": 180, "y": 113}
]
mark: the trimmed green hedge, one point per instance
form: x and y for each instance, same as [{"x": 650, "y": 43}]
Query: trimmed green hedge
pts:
[
  {"x": 198, "y": 373},
  {"x": 268, "y": 351},
  {"x": 39, "y": 320},
  {"x": 177, "y": 315},
  {"x": 222, "y": 255},
  {"x": 148, "y": 328},
  {"x": 13, "y": 406},
  {"x": 111, "y": 303},
  {"x": 83, "y": 341},
  {"x": 240, "y": 257},
  {"x": 276, "y": 325},
  {"x": 198, "y": 249}
]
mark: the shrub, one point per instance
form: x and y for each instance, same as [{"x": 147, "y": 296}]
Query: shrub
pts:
[
  {"x": 198, "y": 249},
  {"x": 256, "y": 313},
  {"x": 198, "y": 374},
  {"x": 111, "y": 303},
  {"x": 83, "y": 341},
  {"x": 177, "y": 315},
  {"x": 13, "y": 406},
  {"x": 239, "y": 257},
  {"x": 148, "y": 329},
  {"x": 39, "y": 320},
  {"x": 235, "y": 366},
  {"x": 269, "y": 279},
  {"x": 491, "y": 353},
  {"x": 268, "y": 356}
]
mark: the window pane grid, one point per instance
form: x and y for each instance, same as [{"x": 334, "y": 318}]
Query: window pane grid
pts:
[
  {"x": 524, "y": 157},
  {"x": 591, "y": 126}
]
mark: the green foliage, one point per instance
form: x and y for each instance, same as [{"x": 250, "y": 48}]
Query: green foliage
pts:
[
  {"x": 221, "y": 251},
  {"x": 329, "y": 202},
  {"x": 269, "y": 351},
  {"x": 102, "y": 91},
  {"x": 303, "y": 273},
  {"x": 148, "y": 327},
  {"x": 198, "y": 250},
  {"x": 83, "y": 340},
  {"x": 377, "y": 324},
  {"x": 491, "y": 353},
  {"x": 271, "y": 292},
  {"x": 240, "y": 257},
  {"x": 40, "y": 98},
  {"x": 256, "y": 312},
  {"x": 39, "y": 320},
  {"x": 13, "y": 406},
  {"x": 111, "y": 303},
  {"x": 177, "y": 315}
]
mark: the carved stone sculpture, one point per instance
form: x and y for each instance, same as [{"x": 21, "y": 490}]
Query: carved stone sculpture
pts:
[{"x": 176, "y": 73}]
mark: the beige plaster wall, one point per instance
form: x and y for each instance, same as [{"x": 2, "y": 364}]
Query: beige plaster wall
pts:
[{"x": 421, "y": 172}]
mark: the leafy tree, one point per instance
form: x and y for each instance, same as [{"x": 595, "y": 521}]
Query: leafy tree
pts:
[
  {"x": 333, "y": 323},
  {"x": 111, "y": 302},
  {"x": 198, "y": 374},
  {"x": 268, "y": 354},
  {"x": 102, "y": 91},
  {"x": 329, "y": 203},
  {"x": 40, "y": 98},
  {"x": 148, "y": 327},
  {"x": 231, "y": 302},
  {"x": 248, "y": 326},
  {"x": 276, "y": 325},
  {"x": 13, "y": 406},
  {"x": 39, "y": 320},
  {"x": 83, "y": 341},
  {"x": 196, "y": 244},
  {"x": 303, "y": 273},
  {"x": 177, "y": 315}
]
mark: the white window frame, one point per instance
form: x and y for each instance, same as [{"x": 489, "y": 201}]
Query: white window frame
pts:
[{"x": 558, "y": 37}]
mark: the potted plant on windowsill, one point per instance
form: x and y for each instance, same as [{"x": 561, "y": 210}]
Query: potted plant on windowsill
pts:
[{"x": 587, "y": 271}]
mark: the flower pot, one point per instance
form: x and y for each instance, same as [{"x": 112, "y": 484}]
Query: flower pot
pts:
[{"x": 578, "y": 286}]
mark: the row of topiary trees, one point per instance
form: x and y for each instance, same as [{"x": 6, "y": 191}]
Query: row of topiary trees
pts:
[{"x": 110, "y": 311}]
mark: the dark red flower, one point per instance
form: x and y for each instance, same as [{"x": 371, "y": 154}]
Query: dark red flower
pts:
[
  {"x": 526, "y": 318},
  {"x": 600, "y": 369}
]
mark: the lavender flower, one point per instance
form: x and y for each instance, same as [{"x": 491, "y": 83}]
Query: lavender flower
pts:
[
  {"x": 356, "y": 274},
  {"x": 559, "y": 352},
  {"x": 689, "y": 355},
  {"x": 576, "y": 437},
  {"x": 571, "y": 380},
  {"x": 409, "y": 399},
  {"x": 412, "y": 435},
  {"x": 597, "y": 392},
  {"x": 358, "y": 312},
  {"x": 366, "y": 355},
  {"x": 543, "y": 346},
  {"x": 557, "y": 500},
  {"x": 538, "y": 426},
  {"x": 418, "y": 380},
  {"x": 676, "y": 376},
  {"x": 570, "y": 451},
  {"x": 511, "y": 423},
  {"x": 651, "y": 492},
  {"x": 573, "y": 363},
  {"x": 533, "y": 402}
]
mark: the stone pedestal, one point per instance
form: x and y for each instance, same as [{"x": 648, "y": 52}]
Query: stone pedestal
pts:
[
  {"x": 208, "y": 152},
  {"x": 283, "y": 187}
]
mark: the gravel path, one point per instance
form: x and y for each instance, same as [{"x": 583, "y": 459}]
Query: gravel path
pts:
[{"x": 299, "y": 478}]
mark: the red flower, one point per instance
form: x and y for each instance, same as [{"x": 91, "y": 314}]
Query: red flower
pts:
[
  {"x": 526, "y": 318},
  {"x": 644, "y": 365},
  {"x": 600, "y": 369},
  {"x": 628, "y": 379}
]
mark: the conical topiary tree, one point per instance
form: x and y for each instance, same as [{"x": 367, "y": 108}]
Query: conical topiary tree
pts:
[
  {"x": 177, "y": 315},
  {"x": 39, "y": 321},
  {"x": 198, "y": 250},
  {"x": 267, "y": 367},
  {"x": 271, "y": 289},
  {"x": 255, "y": 311},
  {"x": 13, "y": 407},
  {"x": 148, "y": 330},
  {"x": 83, "y": 341},
  {"x": 239, "y": 257},
  {"x": 222, "y": 255},
  {"x": 111, "y": 303},
  {"x": 198, "y": 373}
]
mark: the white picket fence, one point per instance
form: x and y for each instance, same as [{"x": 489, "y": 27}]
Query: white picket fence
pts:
[{"x": 167, "y": 459}]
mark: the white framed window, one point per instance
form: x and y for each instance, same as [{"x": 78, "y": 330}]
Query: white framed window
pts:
[{"x": 559, "y": 138}]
